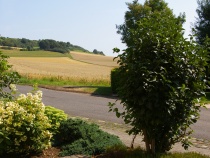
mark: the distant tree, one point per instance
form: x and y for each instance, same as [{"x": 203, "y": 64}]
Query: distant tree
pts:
[
  {"x": 95, "y": 51},
  {"x": 161, "y": 76},
  {"x": 202, "y": 24},
  {"x": 24, "y": 40},
  {"x": 46, "y": 44},
  {"x": 68, "y": 44},
  {"x": 53, "y": 45}
]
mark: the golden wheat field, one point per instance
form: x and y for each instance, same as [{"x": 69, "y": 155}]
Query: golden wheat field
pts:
[
  {"x": 62, "y": 66},
  {"x": 94, "y": 59}
]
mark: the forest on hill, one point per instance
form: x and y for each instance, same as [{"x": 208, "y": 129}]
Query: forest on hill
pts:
[{"x": 44, "y": 44}]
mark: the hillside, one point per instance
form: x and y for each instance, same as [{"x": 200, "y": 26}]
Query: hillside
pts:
[
  {"x": 94, "y": 59},
  {"x": 45, "y": 63},
  {"x": 44, "y": 44}
]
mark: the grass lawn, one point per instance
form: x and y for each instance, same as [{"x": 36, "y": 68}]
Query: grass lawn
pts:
[{"x": 97, "y": 87}]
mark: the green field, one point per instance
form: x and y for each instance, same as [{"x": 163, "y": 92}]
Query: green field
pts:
[{"x": 38, "y": 53}]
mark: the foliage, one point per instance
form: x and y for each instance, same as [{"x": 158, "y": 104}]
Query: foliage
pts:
[
  {"x": 47, "y": 44},
  {"x": 164, "y": 74},
  {"x": 29, "y": 49},
  {"x": 57, "y": 46},
  {"x": 78, "y": 137},
  {"x": 201, "y": 28},
  {"x": 15, "y": 42},
  {"x": 115, "y": 78},
  {"x": 23, "y": 125},
  {"x": 95, "y": 51},
  {"x": 202, "y": 24},
  {"x": 7, "y": 77},
  {"x": 55, "y": 116},
  {"x": 52, "y": 45}
]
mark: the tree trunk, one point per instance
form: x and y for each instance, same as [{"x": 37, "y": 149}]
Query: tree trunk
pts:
[
  {"x": 132, "y": 143},
  {"x": 153, "y": 146},
  {"x": 147, "y": 141}
]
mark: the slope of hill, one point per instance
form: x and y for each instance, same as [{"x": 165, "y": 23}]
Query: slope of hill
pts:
[
  {"x": 59, "y": 66},
  {"x": 39, "y": 53},
  {"x": 44, "y": 44},
  {"x": 94, "y": 59}
]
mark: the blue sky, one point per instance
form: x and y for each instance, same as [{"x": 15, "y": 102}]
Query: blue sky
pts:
[{"x": 90, "y": 24}]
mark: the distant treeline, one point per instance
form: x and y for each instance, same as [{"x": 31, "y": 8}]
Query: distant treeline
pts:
[
  {"x": 46, "y": 44},
  {"x": 95, "y": 51}
]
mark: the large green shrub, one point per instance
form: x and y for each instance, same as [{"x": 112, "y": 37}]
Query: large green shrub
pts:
[
  {"x": 23, "y": 125},
  {"x": 55, "y": 117},
  {"x": 7, "y": 77},
  {"x": 164, "y": 75},
  {"x": 115, "y": 78},
  {"x": 79, "y": 137}
]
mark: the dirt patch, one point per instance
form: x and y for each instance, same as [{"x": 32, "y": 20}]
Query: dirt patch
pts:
[{"x": 48, "y": 153}]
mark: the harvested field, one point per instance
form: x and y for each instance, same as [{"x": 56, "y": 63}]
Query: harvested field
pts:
[
  {"x": 94, "y": 59},
  {"x": 59, "y": 66}
]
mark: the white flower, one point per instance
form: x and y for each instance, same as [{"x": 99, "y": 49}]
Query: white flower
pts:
[
  {"x": 39, "y": 93},
  {"x": 13, "y": 87}
]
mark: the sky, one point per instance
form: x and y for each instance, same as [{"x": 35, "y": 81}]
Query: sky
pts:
[{"x": 90, "y": 24}]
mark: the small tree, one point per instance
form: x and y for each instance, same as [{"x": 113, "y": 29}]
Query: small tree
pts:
[
  {"x": 202, "y": 24},
  {"x": 7, "y": 77},
  {"x": 163, "y": 75}
]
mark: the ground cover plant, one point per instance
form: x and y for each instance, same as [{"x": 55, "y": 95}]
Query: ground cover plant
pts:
[
  {"x": 79, "y": 137},
  {"x": 162, "y": 74}
]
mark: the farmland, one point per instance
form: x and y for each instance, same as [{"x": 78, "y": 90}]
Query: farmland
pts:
[
  {"x": 94, "y": 59},
  {"x": 39, "y": 64},
  {"x": 59, "y": 66}
]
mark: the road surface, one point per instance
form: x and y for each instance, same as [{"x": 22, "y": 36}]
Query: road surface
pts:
[{"x": 95, "y": 107}]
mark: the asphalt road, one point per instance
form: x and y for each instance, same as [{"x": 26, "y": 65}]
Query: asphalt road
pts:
[{"x": 95, "y": 107}]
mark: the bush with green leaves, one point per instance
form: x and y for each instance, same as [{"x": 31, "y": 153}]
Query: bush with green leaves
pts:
[
  {"x": 114, "y": 80},
  {"x": 7, "y": 77},
  {"x": 164, "y": 75},
  {"x": 55, "y": 117},
  {"x": 23, "y": 125},
  {"x": 79, "y": 137}
]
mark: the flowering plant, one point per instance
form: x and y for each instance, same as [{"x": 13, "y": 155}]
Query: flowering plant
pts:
[
  {"x": 23, "y": 124},
  {"x": 55, "y": 116}
]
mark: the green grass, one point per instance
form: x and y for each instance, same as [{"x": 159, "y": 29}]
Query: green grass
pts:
[
  {"x": 38, "y": 53},
  {"x": 63, "y": 81},
  {"x": 206, "y": 99},
  {"x": 95, "y": 86}
]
